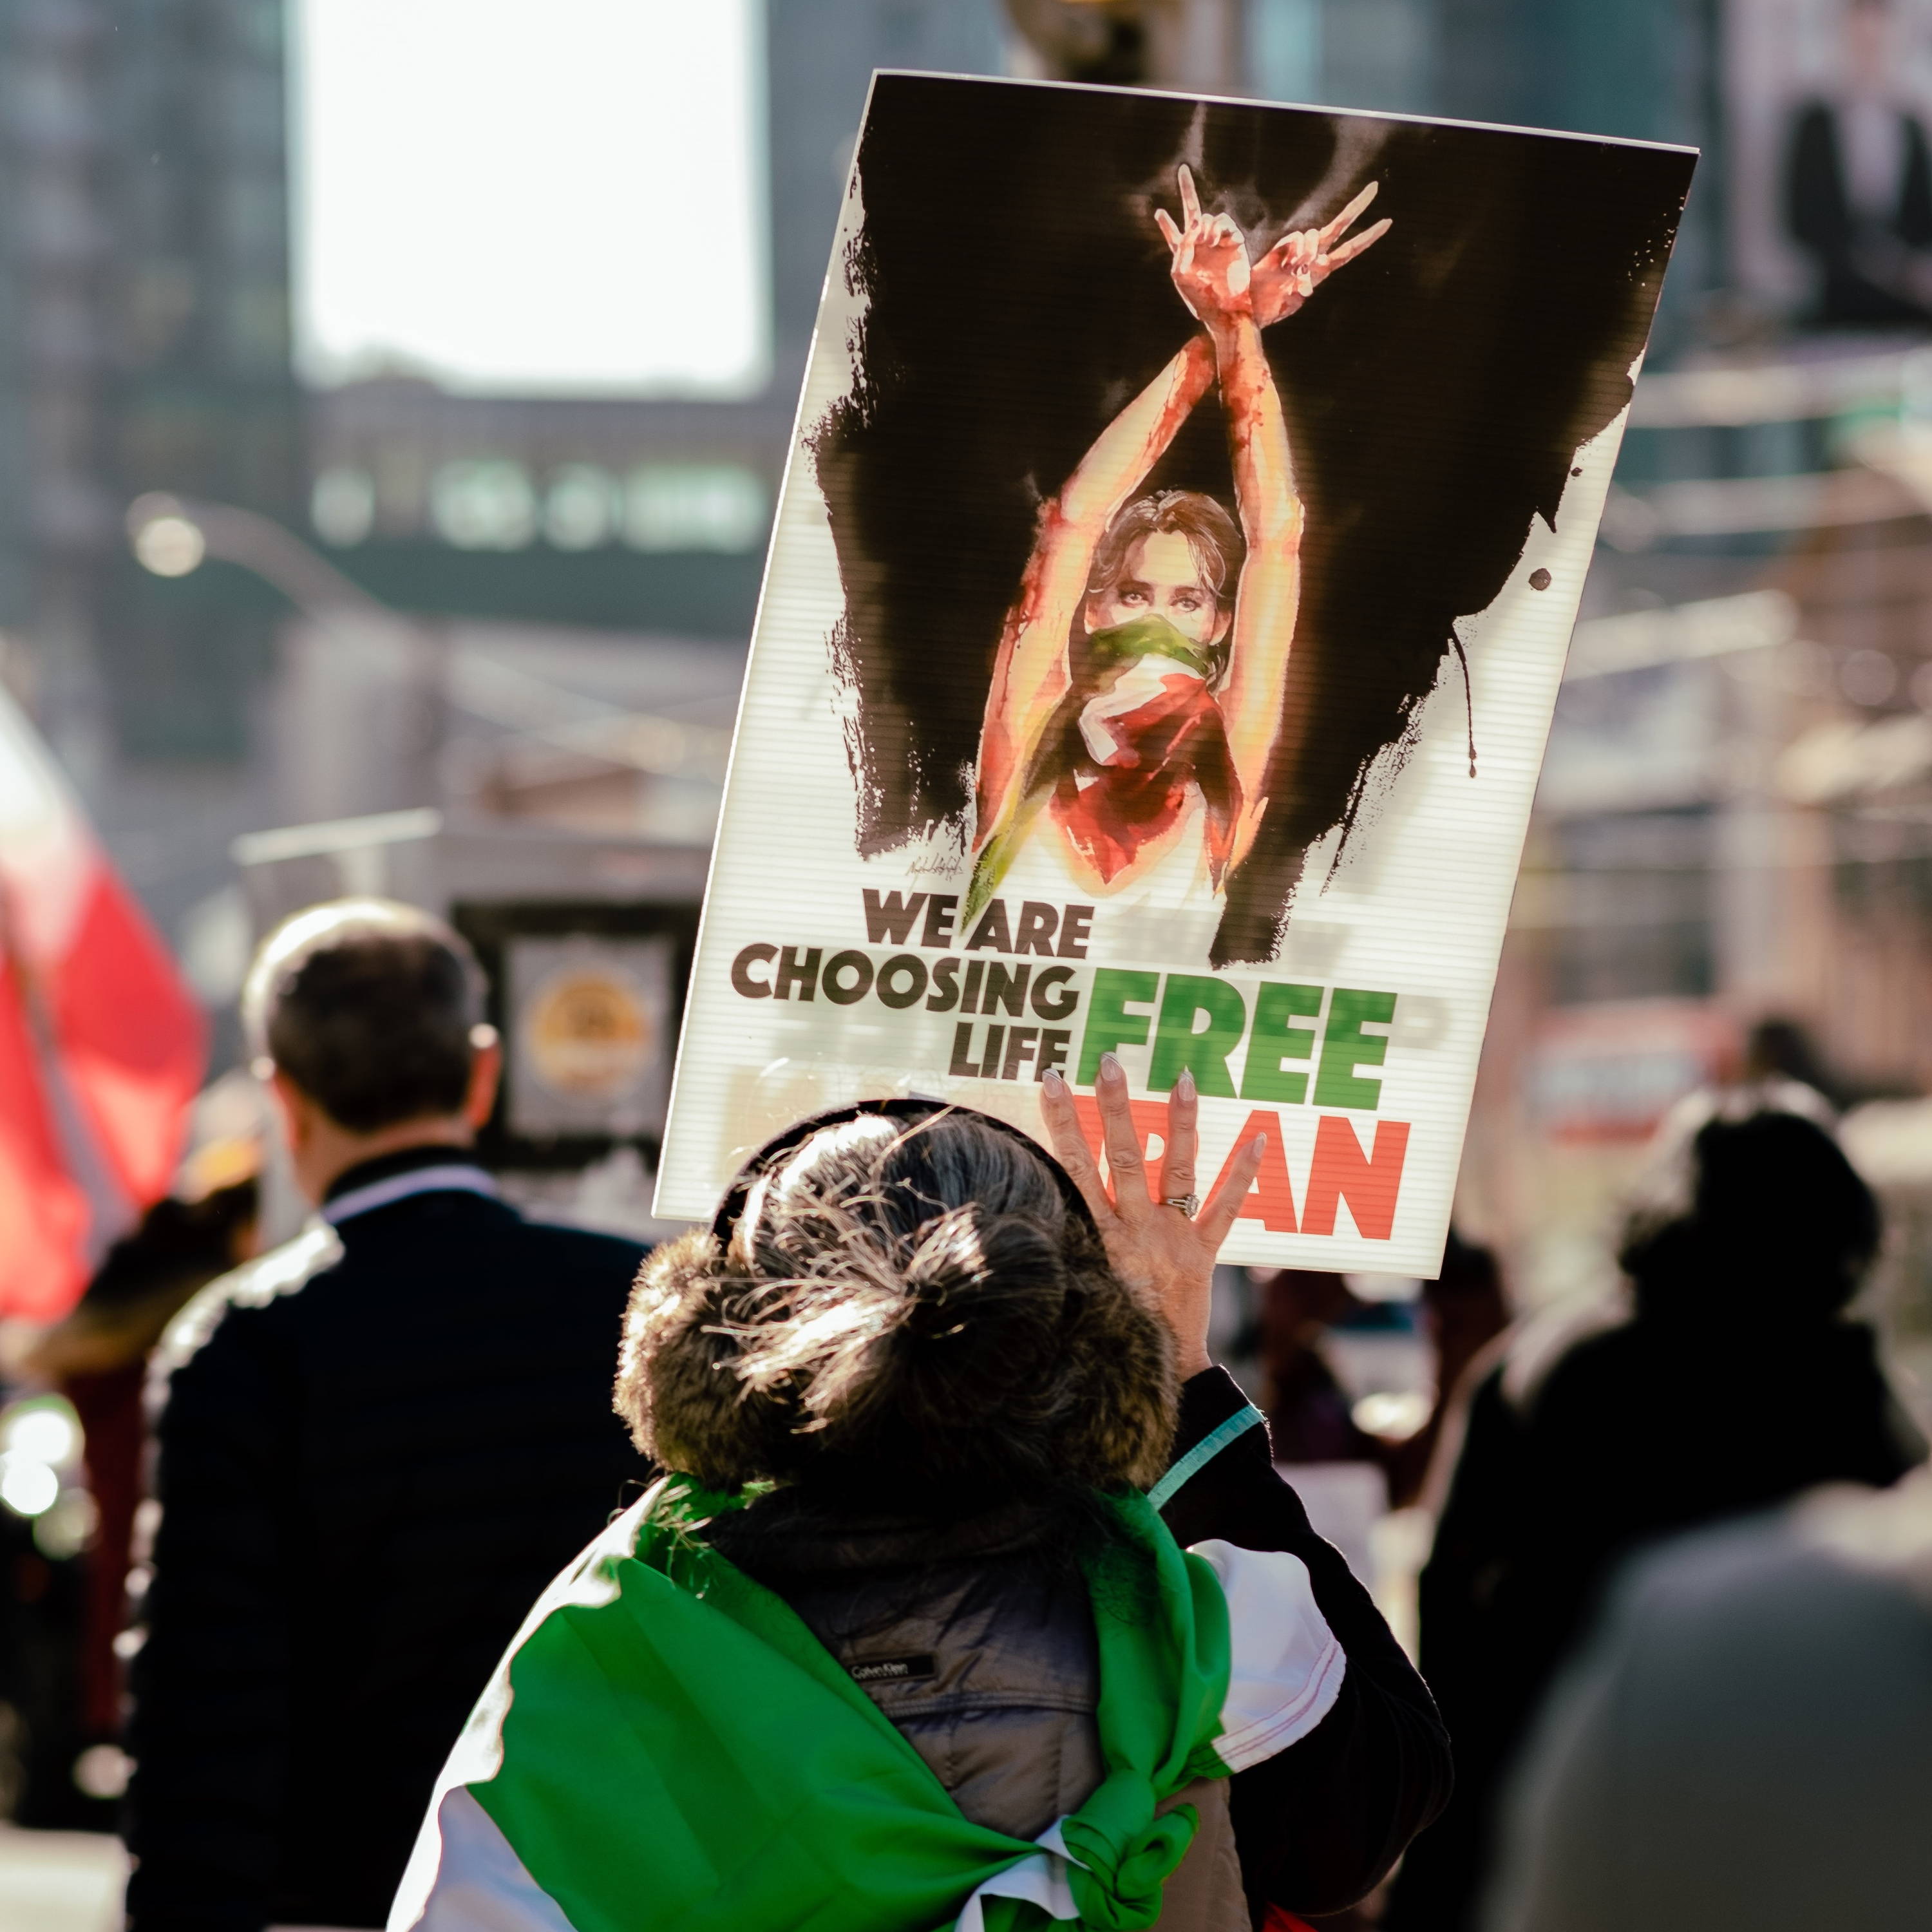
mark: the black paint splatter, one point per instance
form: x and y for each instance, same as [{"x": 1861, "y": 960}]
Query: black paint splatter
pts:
[{"x": 1469, "y": 697}]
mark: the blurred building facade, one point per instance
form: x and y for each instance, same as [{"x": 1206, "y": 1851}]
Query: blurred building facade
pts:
[
  {"x": 1732, "y": 826},
  {"x": 145, "y": 341},
  {"x": 632, "y": 514},
  {"x": 144, "y": 344}
]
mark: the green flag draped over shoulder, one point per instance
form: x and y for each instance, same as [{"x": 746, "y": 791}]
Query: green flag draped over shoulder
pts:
[{"x": 667, "y": 1745}]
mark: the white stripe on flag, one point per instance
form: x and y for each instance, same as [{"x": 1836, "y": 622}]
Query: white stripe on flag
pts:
[
  {"x": 463, "y": 1876},
  {"x": 1287, "y": 1667},
  {"x": 48, "y": 856},
  {"x": 480, "y": 1882},
  {"x": 1040, "y": 1880}
]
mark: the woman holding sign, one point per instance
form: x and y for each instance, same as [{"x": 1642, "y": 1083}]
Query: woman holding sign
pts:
[
  {"x": 1138, "y": 692},
  {"x": 974, "y": 1600}
]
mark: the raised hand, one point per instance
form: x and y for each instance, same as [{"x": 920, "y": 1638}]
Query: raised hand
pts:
[
  {"x": 1158, "y": 1249},
  {"x": 1210, "y": 258},
  {"x": 1299, "y": 262}
]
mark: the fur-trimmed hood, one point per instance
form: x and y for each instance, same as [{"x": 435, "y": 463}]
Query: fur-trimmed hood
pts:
[{"x": 860, "y": 1330}]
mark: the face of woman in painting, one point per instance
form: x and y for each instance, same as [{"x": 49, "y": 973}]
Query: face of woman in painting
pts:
[{"x": 1161, "y": 577}]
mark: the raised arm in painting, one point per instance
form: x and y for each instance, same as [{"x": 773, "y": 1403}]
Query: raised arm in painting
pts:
[
  {"x": 1031, "y": 673},
  {"x": 1233, "y": 306}
]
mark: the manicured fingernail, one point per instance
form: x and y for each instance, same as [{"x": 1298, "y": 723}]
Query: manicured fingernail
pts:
[
  {"x": 1110, "y": 1068},
  {"x": 1184, "y": 1088},
  {"x": 1259, "y": 1146},
  {"x": 1055, "y": 1086}
]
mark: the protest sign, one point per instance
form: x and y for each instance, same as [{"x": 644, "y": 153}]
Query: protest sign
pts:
[{"x": 1187, "y": 512}]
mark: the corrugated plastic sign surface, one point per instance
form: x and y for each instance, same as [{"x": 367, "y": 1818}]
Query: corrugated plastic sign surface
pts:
[{"x": 1188, "y": 511}]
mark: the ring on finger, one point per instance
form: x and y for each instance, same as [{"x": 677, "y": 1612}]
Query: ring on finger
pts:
[{"x": 1189, "y": 1204}]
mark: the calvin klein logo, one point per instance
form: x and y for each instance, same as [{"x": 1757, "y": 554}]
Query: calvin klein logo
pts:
[{"x": 892, "y": 1669}]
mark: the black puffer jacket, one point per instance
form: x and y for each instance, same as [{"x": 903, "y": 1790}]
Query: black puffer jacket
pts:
[
  {"x": 978, "y": 1642},
  {"x": 376, "y": 1446}
]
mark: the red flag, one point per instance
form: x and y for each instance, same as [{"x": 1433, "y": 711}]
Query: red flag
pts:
[
  {"x": 42, "y": 1212},
  {"x": 130, "y": 1035},
  {"x": 127, "y": 1035}
]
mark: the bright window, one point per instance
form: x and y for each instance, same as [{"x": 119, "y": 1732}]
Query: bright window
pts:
[
  {"x": 558, "y": 200},
  {"x": 483, "y": 505},
  {"x": 694, "y": 506}
]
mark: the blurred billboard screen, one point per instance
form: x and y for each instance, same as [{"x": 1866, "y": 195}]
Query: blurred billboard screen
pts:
[
  {"x": 1828, "y": 104},
  {"x": 1189, "y": 510},
  {"x": 590, "y": 1030},
  {"x": 586, "y": 995}
]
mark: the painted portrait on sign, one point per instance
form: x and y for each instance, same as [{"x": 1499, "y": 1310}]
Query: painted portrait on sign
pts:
[
  {"x": 1187, "y": 512},
  {"x": 1182, "y": 439},
  {"x": 1138, "y": 693}
]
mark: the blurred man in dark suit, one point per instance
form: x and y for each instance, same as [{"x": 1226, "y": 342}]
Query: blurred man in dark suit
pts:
[{"x": 375, "y": 1446}]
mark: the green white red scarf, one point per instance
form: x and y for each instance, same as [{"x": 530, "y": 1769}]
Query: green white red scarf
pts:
[{"x": 667, "y": 1745}]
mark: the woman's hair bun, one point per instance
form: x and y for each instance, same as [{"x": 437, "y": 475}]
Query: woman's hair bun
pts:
[
  {"x": 970, "y": 1250},
  {"x": 984, "y": 1301}
]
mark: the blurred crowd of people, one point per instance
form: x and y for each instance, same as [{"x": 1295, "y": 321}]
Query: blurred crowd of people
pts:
[
  {"x": 1721, "y": 1384},
  {"x": 1676, "y": 1618},
  {"x": 284, "y": 1501}
]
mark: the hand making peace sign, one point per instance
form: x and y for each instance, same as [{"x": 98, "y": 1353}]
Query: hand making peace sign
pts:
[
  {"x": 1300, "y": 261},
  {"x": 1215, "y": 280},
  {"x": 1210, "y": 259}
]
